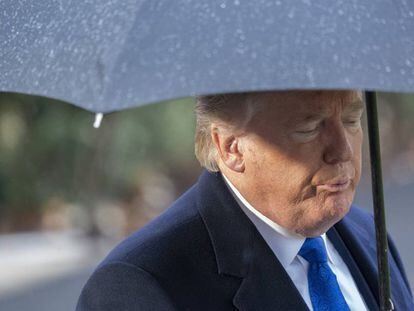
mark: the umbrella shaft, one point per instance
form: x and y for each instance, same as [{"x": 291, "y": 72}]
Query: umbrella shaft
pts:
[{"x": 378, "y": 196}]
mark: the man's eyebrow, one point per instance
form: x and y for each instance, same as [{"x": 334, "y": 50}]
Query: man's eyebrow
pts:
[
  {"x": 309, "y": 117},
  {"x": 313, "y": 115},
  {"x": 319, "y": 114},
  {"x": 356, "y": 106}
]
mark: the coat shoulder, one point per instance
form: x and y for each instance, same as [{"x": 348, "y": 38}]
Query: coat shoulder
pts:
[
  {"x": 361, "y": 221},
  {"x": 360, "y": 218},
  {"x": 170, "y": 260},
  {"x": 176, "y": 233},
  {"x": 115, "y": 287},
  {"x": 358, "y": 213}
]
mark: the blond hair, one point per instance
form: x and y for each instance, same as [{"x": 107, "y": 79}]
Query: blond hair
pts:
[{"x": 235, "y": 110}]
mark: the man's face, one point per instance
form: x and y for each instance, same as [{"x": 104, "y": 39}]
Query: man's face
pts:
[{"x": 302, "y": 156}]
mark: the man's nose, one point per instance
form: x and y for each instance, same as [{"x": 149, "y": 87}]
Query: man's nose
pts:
[{"x": 338, "y": 147}]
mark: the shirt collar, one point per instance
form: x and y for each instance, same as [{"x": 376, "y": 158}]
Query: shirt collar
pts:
[
  {"x": 328, "y": 248},
  {"x": 284, "y": 243}
]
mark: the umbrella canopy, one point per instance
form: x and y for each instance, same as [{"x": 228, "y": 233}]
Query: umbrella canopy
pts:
[{"x": 108, "y": 55}]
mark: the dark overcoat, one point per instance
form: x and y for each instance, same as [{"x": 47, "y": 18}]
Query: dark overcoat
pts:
[{"x": 204, "y": 253}]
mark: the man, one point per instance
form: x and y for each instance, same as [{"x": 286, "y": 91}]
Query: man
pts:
[{"x": 268, "y": 226}]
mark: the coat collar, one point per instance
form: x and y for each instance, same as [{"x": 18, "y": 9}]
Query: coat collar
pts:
[{"x": 241, "y": 251}]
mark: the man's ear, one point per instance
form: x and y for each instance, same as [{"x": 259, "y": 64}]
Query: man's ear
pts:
[{"x": 229, "y": 148}]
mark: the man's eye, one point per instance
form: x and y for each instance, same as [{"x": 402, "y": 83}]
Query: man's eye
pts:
[
  {"x": 308, "y": 131},
  {"x": 352, "y": 122}
]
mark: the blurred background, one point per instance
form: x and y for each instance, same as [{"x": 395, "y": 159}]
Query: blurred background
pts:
[{"x": 70, "y": 192}]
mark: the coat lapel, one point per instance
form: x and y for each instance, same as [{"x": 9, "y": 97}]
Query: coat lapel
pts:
[
  {"x": 267, "y": 286},
  {"x": 359, "y": 239},
  {"x": 241, "y": 251},
  {"x": 358, "y": 277}
]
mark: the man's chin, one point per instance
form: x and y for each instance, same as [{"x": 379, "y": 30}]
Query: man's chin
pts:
[{"x": 324, "y": 218}]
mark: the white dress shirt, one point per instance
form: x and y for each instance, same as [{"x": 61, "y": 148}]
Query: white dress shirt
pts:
[{"x": 286, "y": 245}]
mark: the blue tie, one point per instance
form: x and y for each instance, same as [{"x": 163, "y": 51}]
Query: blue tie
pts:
[{"x": 324, "y": 290}]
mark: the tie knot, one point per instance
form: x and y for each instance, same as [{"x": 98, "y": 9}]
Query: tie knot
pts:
[{"x": 313, "y": 250}]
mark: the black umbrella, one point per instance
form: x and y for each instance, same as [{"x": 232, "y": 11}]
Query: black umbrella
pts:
[{"x": 109, "y": 55}]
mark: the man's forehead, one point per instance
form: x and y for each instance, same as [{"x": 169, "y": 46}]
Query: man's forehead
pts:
[{"x": 316, "y": 102}]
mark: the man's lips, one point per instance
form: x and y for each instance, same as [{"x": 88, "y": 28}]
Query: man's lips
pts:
[{"x": 334, "y": 186}]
